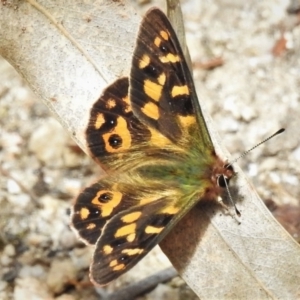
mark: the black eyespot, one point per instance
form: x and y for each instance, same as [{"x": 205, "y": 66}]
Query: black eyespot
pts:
[
  {"x": 124, "y": 259},
  {"x": 188, "y": 106},
  {"x": 118, "y": 242},
  {"x": 115, "y": 141},
  {"x": 106, "y": 197},
  {"x": 163, "y": 48},
  {"x": 151, "y": 71},
  {"x": 110, "y": 122},
  {"x": 160, "y": 220},
  {"x": 94, "y": 213}
]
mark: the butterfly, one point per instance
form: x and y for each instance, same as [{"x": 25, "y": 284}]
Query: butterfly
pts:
[{"x": 149, "y": 134}]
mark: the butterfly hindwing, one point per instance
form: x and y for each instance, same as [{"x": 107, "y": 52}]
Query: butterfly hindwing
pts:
[
  {"x": 128, "y": 237},
  {"x": 125, "y": 216}
]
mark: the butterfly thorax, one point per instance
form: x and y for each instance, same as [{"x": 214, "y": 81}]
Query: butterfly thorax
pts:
[{"x": 195, "y": 174}]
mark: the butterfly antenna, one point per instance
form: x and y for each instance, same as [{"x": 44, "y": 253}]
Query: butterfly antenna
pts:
[
  {"x": 231, "y": 200},
  {"x": 265, "y": 140}
]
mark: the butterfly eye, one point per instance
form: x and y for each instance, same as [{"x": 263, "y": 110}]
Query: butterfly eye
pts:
[{"x": 222, "y": 181}]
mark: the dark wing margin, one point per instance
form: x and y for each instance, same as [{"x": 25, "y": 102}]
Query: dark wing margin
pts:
[{"x": 162, "y": 91}]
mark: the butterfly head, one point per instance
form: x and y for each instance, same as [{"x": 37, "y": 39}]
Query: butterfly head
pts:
[
  {"x": 219, "y": 178},
  {"x": 224, "y": 177}
]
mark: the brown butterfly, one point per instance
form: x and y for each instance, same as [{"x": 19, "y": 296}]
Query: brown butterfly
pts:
[{"x": 148, "y": 132}]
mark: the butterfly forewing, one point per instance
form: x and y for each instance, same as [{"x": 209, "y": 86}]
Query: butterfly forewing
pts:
[
  {"x": 162, "y": 92},
  {"x": 116, "y": 137},
  {"x": 113, "y": 129}
]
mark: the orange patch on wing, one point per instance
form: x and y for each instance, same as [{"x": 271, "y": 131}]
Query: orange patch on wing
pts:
[
  {"x": 180, "y": 90},
  {"x": 171, "y": 210},
  {"x": 151, "y": 110},
  {"x": 169, "y": 58},
  {"x": 99, "y": 120},
  {"x": 161, "y": 79},
  {"x": 164, "y": 34},
  {"x": 126, "y": 230},
  {"x": 115, "y": 266},
  {"x": 107, "y": 249},
  {"x": 152, "y": 229},
  {"x": 130, "y": 238},
  {"x": 152, "y": 89},
  {"x": 84, "y": 213},
  {"x": 90, "y": 226},
  {"x": 133, "y": 251},
  {"x": 119, "y": 267},
  {"x": 131, "y": 217},
  {"x": 157, "y": 41},
  {"x": 113, "y": 263},
  {"x": 187, "y": 121},
  {"x": 144, "y": 61},
  {"x": 111, "y": 103},
  {"x": 158, "y": 139},
  {"x": 128, "y": 107},
  {"x": 126, "y": 99}
]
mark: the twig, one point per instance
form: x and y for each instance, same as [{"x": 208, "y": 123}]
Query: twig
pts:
[{"x": 142, "y": 286}]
